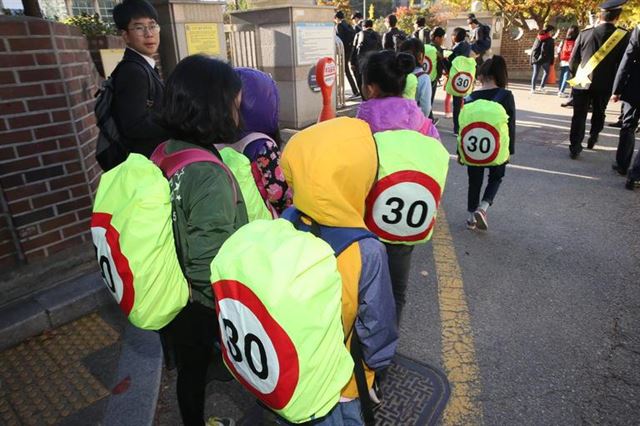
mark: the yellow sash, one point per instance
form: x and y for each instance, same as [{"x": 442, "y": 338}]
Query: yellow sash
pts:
[{"x": 582, "y": 80}]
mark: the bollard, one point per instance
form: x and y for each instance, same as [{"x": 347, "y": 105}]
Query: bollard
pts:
[{"x": 326, "y": 77}]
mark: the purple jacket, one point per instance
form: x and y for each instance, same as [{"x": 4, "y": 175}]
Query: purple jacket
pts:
[{"x": 396, "y": 113}]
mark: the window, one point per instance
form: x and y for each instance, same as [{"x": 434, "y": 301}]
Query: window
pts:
[
  {"x": 106, "y": 7},
  {"x": 83, "y": 6}
]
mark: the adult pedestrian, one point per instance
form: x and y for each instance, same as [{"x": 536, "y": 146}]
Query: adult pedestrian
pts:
[
  {"x": 460, "y": 48},
  {"x": 594, "y": 62},
  {"x": 357, "y": 21},
  {"x": 393, "y": 38},
  {"x": 542, "y": 57},
  {"x": 480, "y": 38},
  {"x": 421, "y": 31},
  {"x": 626, "y": 88},
  {"x": 366, "y": 40},
  {"x": 565, "y": 49},
  {"x": 346, "y": 34}
]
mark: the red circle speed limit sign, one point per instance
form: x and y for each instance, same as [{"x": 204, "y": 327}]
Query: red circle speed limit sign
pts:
[
  {"x": 480, "y": 143},
  {"x": 114, "y": 266},
  {"x": 428, "y": 65},
  {"x": 461, "y": 82},
  {"x": 257, "y": 350},
  {"x": 403, "y": 205}
]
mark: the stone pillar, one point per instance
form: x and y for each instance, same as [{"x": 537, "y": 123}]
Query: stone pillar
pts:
[
  {"x": 289, "y": 41},
  {"x": 189, "y": 27}
]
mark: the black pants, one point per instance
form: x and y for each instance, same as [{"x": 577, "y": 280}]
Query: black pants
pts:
[
  {"x": 434, "y": 86},
  {"x": 355, "y": 70},
  {"x": 191, "y": 337},
  {"x": 457, "y": 106},
  {"x": 581, "y": 100},
  {"x": 476, "y": 178},
  {"x": 347, "y": 70},
  {"x": 627, "y": 141},
  {"x": 399, "y": 266}
]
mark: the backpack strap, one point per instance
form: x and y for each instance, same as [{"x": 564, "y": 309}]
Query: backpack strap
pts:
[
  {"x": 243, "y": 143},
  {"x": 421, "y": 73},
  {"x": 500, "y": 95},
  {"x": 170, "y": 164}
]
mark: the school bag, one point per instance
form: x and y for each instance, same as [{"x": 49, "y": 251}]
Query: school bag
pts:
[
  {"x": 410, "y": 87},
  {"x": 281, "y": 318},
  {"x": 431, "y": 61},
  {"x": 402, "y": 205},
  {"x": 110, "y": 148},
  {"x": 398, "y": 38},
  {"x": 132, "y": 233},
  {"x": 234, "y": 158},
  {"x": 484, "y": 134},
  {"x": 461, "y": 76}
]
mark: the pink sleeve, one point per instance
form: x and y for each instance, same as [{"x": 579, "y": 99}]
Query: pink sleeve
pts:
[{"x": 428, "y": 129}]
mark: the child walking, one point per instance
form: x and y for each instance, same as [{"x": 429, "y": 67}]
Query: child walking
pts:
[
  {"x": 494, "y": 78},
  {"x": 415, "y": 48}
]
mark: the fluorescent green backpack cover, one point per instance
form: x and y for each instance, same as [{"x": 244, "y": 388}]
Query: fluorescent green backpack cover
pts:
[
  {"x": 240, "y": 166},
  {"x": 278, "y": 300},
  {"x": 461, "y": 76},
  {"x": 431, "y": 61},
  {"x": 410, "y": 87},
  {"x": 484, "y": 134},
  {"x": 402, "y": 206},
  {"x": 133, "y": 237}
]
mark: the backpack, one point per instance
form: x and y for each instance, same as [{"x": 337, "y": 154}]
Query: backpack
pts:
[
  {"x": 132, "y": 234},
  {"x": 281, "y": 323},
  {"x": 423, "y": 35},
  {"x": 410, "y": 87},
  {"x": 366, "y": 41},
  {"x": 461, "y": 76},
  {"x": 431, "y": 61},
  {"x": 110, "y": 148},
  {"x": 240, "y": 165},
  {"x": 402, "y": 205},
  {"x": 398, "y": 38},
  {"x": 484, "y": 136}
]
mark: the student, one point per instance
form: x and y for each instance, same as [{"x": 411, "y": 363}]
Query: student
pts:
[
  {"x": 331, "y": 178},
  {"x": 542, "y": 57},
  {"x": 384, "y": 79},
  {"x": 365, "y": 41},
  {"x": 346, "y": 34},
  {"x": 393, "y": 38},
  {"x": 493, "y": 76},
  {"x": 415, "y": 48},
  {"x": 421, "y": 31},
  {"x": 201, "y": 108},
  {"x": 565, "y": 49},
  {"x": 260, "y": 138},
  {"x": 134, "y": 110},
  {"x": 480, "y": 37},
  {"x": 460, "y": 48},
  {"x": 437, "y": 39}
]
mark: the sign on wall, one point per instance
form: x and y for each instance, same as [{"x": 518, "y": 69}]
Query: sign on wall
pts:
[
  {"x": 202, "y": 38},
  {"x": 314, "y": 41}
]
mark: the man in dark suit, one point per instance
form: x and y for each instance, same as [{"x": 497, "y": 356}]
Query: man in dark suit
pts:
[
  {"x": 137, "y": 99},
  {"x": 346, "y": 34},
  {"x": 392, "y": 39},
  {"x": 626, "y": 88},
  {"x": 594, "y": 78}
]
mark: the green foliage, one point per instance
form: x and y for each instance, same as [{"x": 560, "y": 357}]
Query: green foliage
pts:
[
  {"x": 233, "y": 5},
  {"x": 91, "y": 25}
]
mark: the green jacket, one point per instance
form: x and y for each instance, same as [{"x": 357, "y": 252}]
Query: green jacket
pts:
[{"x": 204, "y": 216}]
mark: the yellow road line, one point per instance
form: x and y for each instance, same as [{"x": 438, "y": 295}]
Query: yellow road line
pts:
[{"x": 458, "y": 350}]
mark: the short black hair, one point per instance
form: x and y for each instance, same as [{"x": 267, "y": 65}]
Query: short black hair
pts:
[
  {"x": 388, "y": 70},
  {"x": 368, "y": 23},
  {"x": 473, "y": 21},
  {"x": 495, "y": 68},
  {"x": 610, "y": 15},
  {"x": 199, "y": 101},
  {"x": 572, "y": 32},
  {"x": 459, "y": 34},
  {"x": 421, "y": 21},
  {"x": 339, "y": 15},
  {"x": 356, "y": 15},
  {"x": 413, "y": 46},
  {"x": 393, "y": 20},
  {"x": 124, "y": 12},
  {"x": 438, "y": 32}
]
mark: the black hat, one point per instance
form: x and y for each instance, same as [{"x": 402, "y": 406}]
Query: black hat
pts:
[{"x": 612, "y": 4}]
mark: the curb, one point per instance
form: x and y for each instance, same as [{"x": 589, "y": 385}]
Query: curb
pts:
[{"x": 51, "y": 308}]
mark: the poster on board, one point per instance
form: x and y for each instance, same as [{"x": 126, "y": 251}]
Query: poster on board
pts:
[
  {"x": 314, "y": 41},
  {"x": 202, "y": 38}
]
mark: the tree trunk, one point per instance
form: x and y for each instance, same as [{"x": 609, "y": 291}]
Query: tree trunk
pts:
[{"x": 32, "y": 8}]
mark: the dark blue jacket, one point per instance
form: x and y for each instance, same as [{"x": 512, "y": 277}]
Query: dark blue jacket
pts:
[{"x": 625, "y": 84}]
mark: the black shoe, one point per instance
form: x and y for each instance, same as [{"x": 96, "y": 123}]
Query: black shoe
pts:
[
  {"x": 617, "y": 124},
  {"x": 593, "y": 140},
  {"x": 617, "y": 168},
  {"x": 567, "y": 104},
  {"x": 630, "y": 185},
  {"x": 574, "y": 155}
]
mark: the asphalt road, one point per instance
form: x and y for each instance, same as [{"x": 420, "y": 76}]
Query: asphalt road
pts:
[{"x": 545, "y": 305}]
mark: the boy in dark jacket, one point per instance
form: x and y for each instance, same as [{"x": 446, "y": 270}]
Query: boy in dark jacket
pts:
[
  {"x": 542, "y": 57},
  {"x": 135, "y": 103}
]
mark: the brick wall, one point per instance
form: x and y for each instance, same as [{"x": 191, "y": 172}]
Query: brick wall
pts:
[
  {"x": 47, "y": 171},
  {"x": 103, "y": 42},
  {"x": 513, "y": 52}
]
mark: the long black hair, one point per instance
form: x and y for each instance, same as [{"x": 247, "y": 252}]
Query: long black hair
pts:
[
  {"x": 199, "y": 104},
  {"x": 388, "y": 70},
  {"x": 573, "y": 32},
  {"x": 414, "y": 47},
  {"x": 496, "y": 69}
]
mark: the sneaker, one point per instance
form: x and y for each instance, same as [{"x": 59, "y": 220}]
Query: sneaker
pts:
[
  {"x": 567, "y": 104},
  {"x": 471, "y": 224},
  {"x": 220, "y": 421},
  {"x": 617, "y": 168},
  {"x": 448, "y": 115},
  {"x": 481, "y": 219}
]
